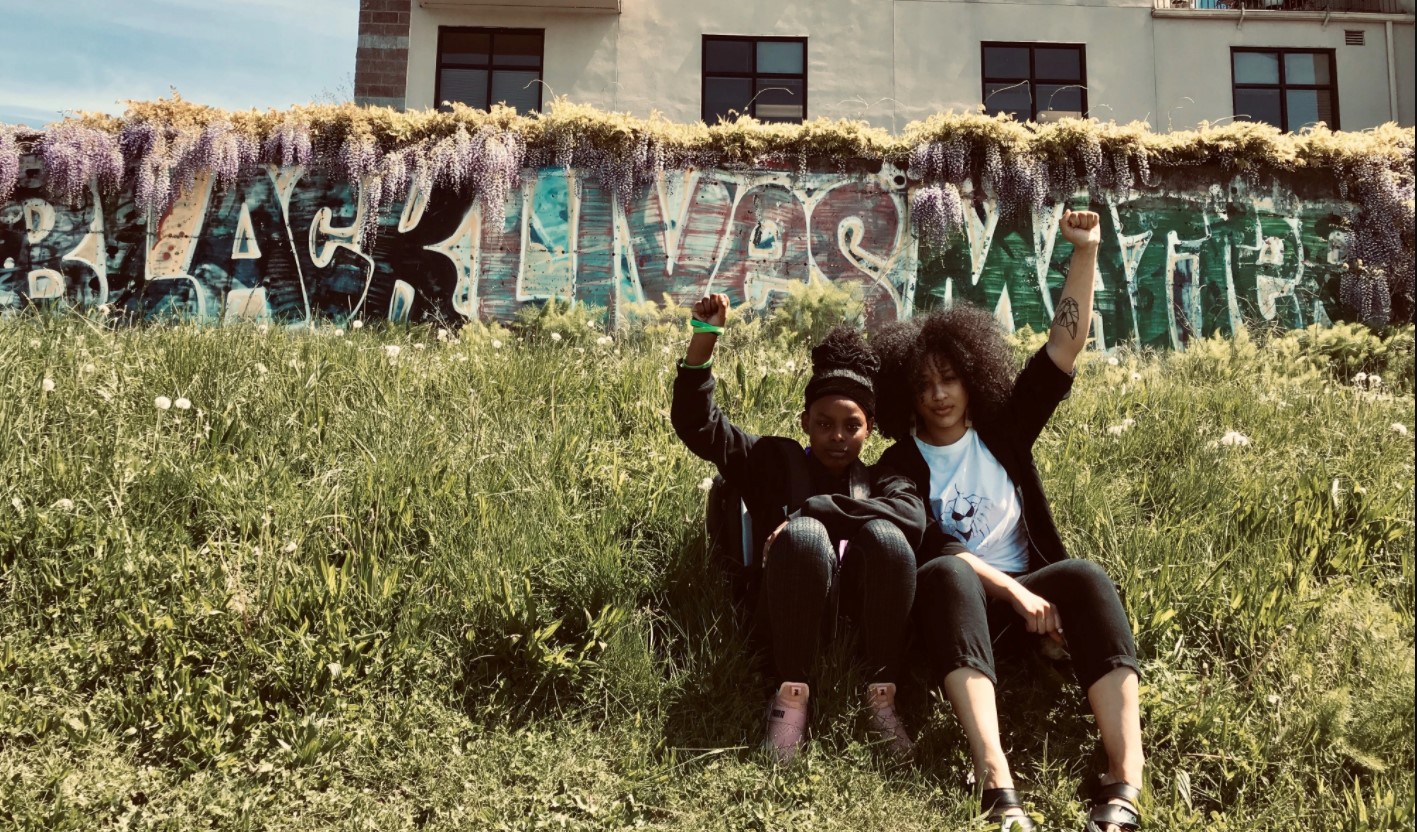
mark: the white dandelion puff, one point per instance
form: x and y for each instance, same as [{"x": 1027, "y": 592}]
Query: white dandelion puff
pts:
[
  {"x": 392, "y": 350},
  {"x": 556, "y": 336},
  {"x": 290, "y": 547},
  {"x": 1234, "y": 437},
  {"x": 339, "y": 333},
  {"x": 604, "y": 341},
  {"x": 496, "y": 344},
  {"x": 47, "y": 385},
  {"x": 1375, "y": 380},
  {"x": 1399, "y": 428},
  {"x": 261, "y": 368},
  {"x": 706, "y": 484},
  {"x": 63, "y": 504},
  {"x": 1112, "y": 361},
  {"x": 182, "y": 403},
  {"x": 1136, "y": 376},
  {"x": 162, "y": 403},
  {"x": 1360, "y": 378},
  {"x": 87, "y": 368},
  {"x": 357, "y": 325},
  {"x": 1129, "y": 423},
  {"x": 443, "y": 334}
]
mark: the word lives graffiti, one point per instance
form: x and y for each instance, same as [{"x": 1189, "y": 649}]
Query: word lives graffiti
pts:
[{"x": 289, "y": 245}]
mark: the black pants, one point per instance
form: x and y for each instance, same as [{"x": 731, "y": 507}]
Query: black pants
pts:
[
  {"x": 961, "y": 625},
  {"x": 876, "y": 583}
]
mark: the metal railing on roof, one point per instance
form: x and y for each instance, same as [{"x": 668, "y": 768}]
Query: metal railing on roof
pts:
[{"x": 1370, "y": 6}]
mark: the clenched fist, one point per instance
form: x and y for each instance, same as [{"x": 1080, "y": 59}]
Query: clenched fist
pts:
[{"x": 1082, "y": 228}]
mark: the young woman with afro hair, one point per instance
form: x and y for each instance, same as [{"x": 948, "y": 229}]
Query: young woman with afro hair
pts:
[
  {"x": 821, "y": 519},
  {"x": 992, "y": 565}
]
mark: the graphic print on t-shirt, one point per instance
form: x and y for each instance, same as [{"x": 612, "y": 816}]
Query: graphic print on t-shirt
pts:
[{"x": 964, "y": 516}]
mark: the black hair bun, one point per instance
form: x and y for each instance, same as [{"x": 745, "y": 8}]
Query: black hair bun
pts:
[{"x": 845, "y": 349}]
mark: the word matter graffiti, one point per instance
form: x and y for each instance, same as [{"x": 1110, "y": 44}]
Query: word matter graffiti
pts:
[{"x": 289, "y": 245}]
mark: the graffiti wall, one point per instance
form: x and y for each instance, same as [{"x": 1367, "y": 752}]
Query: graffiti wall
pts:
[{"x": 288, "y": 245}]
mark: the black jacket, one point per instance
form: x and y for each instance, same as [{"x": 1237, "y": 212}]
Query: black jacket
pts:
[
  {"x": 762, "y": 469},
  {"x": 1038, "y": 390}
]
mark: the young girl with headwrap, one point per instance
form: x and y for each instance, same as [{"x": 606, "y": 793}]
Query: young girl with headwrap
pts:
[{"x": 821, "y": 520}]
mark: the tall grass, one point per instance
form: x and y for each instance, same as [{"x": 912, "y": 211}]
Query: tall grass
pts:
[{"x": 386, "y": 579}]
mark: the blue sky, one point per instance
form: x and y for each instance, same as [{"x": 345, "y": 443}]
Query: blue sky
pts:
[{"x": 93, "y": 54}]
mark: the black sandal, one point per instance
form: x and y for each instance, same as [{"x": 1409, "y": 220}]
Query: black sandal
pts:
[
  {"x": 997, "y": 802},
  {"x": 1123, "y": 817}
]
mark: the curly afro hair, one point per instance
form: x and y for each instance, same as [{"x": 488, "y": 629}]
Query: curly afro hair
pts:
[
  {"x": 966, "y": 338},
  {"x": 843, "y": 363}
]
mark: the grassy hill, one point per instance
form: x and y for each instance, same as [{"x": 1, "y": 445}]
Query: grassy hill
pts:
[{"x": 383, "y": 579}]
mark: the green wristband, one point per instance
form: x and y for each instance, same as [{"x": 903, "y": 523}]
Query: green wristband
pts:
[
  {"x": 704, "y": 326},
  {"x": 703, "y": 366}
]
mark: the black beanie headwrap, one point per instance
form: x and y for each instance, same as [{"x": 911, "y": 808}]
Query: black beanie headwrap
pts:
[
  {"x": 843, "y": 365},
  {"x": 842, "y": 382}
]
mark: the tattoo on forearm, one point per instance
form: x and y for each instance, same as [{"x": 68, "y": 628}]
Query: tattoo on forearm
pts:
[{"x": 1067, "y": 316}]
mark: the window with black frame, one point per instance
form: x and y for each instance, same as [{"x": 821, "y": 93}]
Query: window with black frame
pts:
[
  {"x": 1289, "y": 88},
  {"x": 1035, "y": 81},
  {"x": 482, "y": 67},
  {"x": 762, "y": 77}
]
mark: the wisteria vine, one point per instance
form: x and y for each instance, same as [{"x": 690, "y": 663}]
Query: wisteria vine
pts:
[{"x": 158, "y": 151}]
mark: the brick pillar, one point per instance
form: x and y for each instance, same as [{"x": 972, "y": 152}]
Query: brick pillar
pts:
[{"x": 381, "y": 62}]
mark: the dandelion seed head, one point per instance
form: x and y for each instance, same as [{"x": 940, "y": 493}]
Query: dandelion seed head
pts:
[
  {"x": 420, "y": 346},
  {"x": 47, "y": 385},
  {"x": 356, "y": 325},
  {"x": 182, "y": 403},
  {"x": 1399, "y": 428},
  {"x": 87, "y": 368},
  {"x": 290, "y": 547},
  {"x": 556, "y": 336},
  {"x": 1112, "y": 361},
  {"x": 1234, "y": 438},
  {"x": 496, "y": 344},
  {"x": 604, "y": 341},
  {"x": 162, "y": 403},
  {"x": 1129, "y": 423},
  {"x": 1136, "y": 376},
  {"x": 392, "y": 350},
  {"x": 263, "y": 329},
  {"x": 63, "y": 504},
  {"x": 1116, "y": 430},
  {"x": 1360, "y": 378},
  {"x": 706, "y": 484},
  {"x": 339, "y": 333}
]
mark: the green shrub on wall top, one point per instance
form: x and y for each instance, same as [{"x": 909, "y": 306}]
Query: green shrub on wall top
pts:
[{"x": 157, "y": 149}]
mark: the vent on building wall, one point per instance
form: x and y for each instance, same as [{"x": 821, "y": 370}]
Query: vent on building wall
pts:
[{"x": 1352, "y": 37}]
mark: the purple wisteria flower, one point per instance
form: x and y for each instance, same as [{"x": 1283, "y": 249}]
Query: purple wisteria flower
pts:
[
  {"x": 9, "y": 161},
  {"x": 936, "y": 211},
  {"x": 75, "y": 155}
]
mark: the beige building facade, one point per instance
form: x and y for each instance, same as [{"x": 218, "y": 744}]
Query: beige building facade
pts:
[{"x": 1349, "y": 63}]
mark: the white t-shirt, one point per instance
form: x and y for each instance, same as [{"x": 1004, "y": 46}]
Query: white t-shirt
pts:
[{"x": 973, "y": 499}]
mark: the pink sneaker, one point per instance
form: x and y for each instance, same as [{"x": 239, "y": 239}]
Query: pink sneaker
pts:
[
  {"x": 787, "y": 721},
  {"x": 883, "y": 722}
]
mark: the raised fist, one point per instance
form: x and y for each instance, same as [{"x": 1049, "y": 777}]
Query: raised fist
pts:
[
  {"x": 712, "y": 309},
  {"x": 1082, "y": 228}
]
